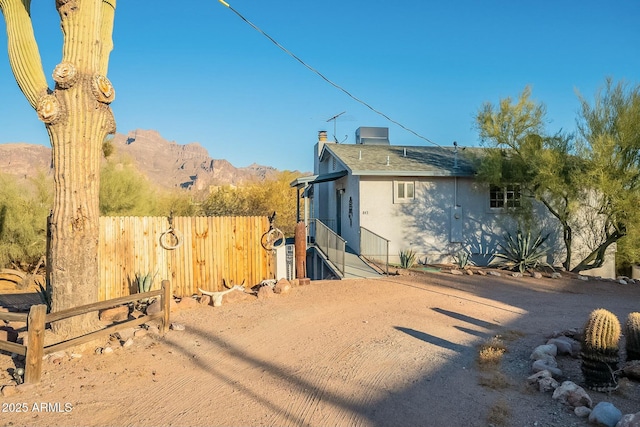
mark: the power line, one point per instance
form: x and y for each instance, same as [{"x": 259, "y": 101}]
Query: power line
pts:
[{"x": 337, "y": 86}]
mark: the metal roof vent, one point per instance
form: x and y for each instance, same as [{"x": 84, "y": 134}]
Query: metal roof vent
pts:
[{"x": 372, "y": 136}]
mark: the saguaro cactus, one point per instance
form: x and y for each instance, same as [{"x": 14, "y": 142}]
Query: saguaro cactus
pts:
[
  {"x": 77, "y": 117},
  {"x": 632, "y": 335},
  {"x": 600, "y": 354}
]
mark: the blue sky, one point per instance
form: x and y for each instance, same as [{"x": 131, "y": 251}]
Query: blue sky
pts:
[{"x": 196, "y": 72}]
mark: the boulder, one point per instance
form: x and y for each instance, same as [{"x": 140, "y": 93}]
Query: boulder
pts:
[
  {"x": 282, "y": 286},
  {"x": 571, "y": 394},
  {"x": 265, "y": 292},
  {"x": 546, "y": 365},
  {"x": 542, "y": 351},
  {"x": 115, "y": 314},
  {"x": 582, "y": 411},
  {"x": 629, "y": 420},
  {"x": 605, "y": 414},
  {"x": 566, "y": 345}
]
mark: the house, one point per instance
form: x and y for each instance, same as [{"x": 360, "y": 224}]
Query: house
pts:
[{"x": 423, "y": 198}]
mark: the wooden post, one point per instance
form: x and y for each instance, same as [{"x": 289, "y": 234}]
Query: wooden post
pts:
[
  {"x": 301, "y": 250},
  {"x": 35, "y": 343},
  {"x": 165, "y": 301}
]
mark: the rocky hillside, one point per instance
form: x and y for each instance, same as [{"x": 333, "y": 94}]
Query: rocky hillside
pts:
[{"x": 165, "y": 163}]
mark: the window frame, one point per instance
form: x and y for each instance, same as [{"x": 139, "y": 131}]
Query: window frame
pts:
[
  {"x": 400, "y": 196},
  {"x": 504, "y": 197}
]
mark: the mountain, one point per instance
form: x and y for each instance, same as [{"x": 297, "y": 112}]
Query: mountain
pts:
[{"x": 165, "y": 163}]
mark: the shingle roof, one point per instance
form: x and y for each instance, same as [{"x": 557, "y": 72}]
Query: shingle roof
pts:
[{"x": 363, "y": 159}]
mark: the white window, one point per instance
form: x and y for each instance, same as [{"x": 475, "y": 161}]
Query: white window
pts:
[
  {"x": 507, "y": 196},
  {"x": 404, "y": 191}
]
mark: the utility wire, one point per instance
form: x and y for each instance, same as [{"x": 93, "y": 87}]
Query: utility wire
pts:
[{"x": 288, "y": 52}]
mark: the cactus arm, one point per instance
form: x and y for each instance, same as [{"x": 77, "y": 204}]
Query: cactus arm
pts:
[{"x": 24, "y": 56}]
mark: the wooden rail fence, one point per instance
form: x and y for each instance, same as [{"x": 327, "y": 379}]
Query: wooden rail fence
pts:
[
  {"x": 37, "y": 319},
  {"x": 211, "y": 249}
]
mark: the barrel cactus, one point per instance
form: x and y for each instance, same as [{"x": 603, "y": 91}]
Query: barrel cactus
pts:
[
  {"x": 632, "y": 335},
  {"x": 600, "y": 350}
]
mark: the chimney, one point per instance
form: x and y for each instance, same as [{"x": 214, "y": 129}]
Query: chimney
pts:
[{"x": 322, "y": 135}]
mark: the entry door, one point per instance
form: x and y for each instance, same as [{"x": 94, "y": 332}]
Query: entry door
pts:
[{"x": 339, "y": 212}]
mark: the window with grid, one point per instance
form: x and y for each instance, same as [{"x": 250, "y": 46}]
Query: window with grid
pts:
[
  {"x": 404, "y": 191},
  {"x": 507, "y": 196}
]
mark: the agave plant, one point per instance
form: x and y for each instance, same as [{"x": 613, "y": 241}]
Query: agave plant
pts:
[
  {"x": 523, "y": 251},
  {"x": 462, "y": 259},
  {"x": 407, "y": 258}
]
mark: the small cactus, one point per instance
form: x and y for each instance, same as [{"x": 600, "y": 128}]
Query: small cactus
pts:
[
  {"x": 632, "y": 335},
  {"x": 600, "y": 350}
]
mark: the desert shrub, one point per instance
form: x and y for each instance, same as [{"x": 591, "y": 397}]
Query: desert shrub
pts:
[
  {"x": 125, "y": 191},
  {"x": 257, "y": 199},
  {"x": 522, "y": 251},
  {"x": 24, "y": 207}
]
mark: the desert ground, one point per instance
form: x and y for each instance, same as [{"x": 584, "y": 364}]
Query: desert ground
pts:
[{"x": 401, "y": 350}]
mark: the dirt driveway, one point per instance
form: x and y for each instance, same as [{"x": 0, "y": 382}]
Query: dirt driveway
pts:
[{"x": 398, "y": 351}]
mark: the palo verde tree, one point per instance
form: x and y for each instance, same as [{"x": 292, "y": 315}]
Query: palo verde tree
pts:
[
  {"x": 77, "y": 118},
  {"x": 520, "y": 152},
  {"x": 610, "y": 133}
]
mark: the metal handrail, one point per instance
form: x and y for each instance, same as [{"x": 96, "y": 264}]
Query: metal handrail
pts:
[
  {"x": 374, "y": 247},
  {"x": 331, "y": 245}
]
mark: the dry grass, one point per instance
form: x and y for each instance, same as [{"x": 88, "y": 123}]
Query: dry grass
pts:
[
  {"x": 494, "y": 380},
  {"x": 490, "y": 353},
  {"x": 499, "y": 413}
]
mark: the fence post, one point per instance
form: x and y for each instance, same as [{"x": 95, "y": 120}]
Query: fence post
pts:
[
  {"x": 35, "y": 343},
  {"x": 166, "y": 304}
]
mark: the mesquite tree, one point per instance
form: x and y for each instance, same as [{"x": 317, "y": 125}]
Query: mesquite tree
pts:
[{"x": 78, "y": 118}]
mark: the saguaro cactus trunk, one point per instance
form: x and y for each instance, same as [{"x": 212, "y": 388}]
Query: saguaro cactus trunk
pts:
[{"x": 77, "y": 117}]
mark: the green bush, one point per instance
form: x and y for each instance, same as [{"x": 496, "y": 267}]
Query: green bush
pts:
[{"x": 24, "y": 207}]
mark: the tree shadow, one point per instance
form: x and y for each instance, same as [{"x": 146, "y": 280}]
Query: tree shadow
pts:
[{"x": 431, "y": 339}]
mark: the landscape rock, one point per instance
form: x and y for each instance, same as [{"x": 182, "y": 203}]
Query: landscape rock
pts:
[
  {"x": 536, "y": 275},
  {"x": 629, "y": 420},
  {"x": 542, "y": 365},
  {"x": 177, "y": 326},
  {"x": 156, "y": 306},
  {"x": 115, "y": 314},
  {"x": 544, "y": 381},
  {"x": 9, "y": 390},
  {"x": 456, "y": 272},
  {"x": 135, "y": 314},
  {"x": 187, "y": 302},
  {"x": 205, "y": 300},
  {"x": 57, "y": 357},
  {"x": 107, "y": 350},
  {"x": 8, "y": 334},
  {"x": 516, "y": 274},
  {"x": 566, "y": 345},
  {"x": 605, "y": 414},
  {"x": 556, "y": 275},
  {"x": 541, "y": 351},
  {"x": 469, "y": 272},
  {"x": 282, "y": 287},
  {"x": 237, "y": 296},
  {"x": 128, "y": 343},
  {"x": 126, "y": 333},
  {"x": 139, "y": 333},
  {"x": 265, "y": 292},
  {"x": 583, "y": 277},
  {"x": 582, "y": 411},
  {"x": 571, "y": 394}
]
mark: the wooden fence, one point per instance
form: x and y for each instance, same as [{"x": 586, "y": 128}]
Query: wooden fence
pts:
[
  {"x": 37, "y": 320},
  {"x": 211, "y": 249}
]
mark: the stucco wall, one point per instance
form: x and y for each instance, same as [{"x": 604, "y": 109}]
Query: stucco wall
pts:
[{"x": 425, "y": 223}]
